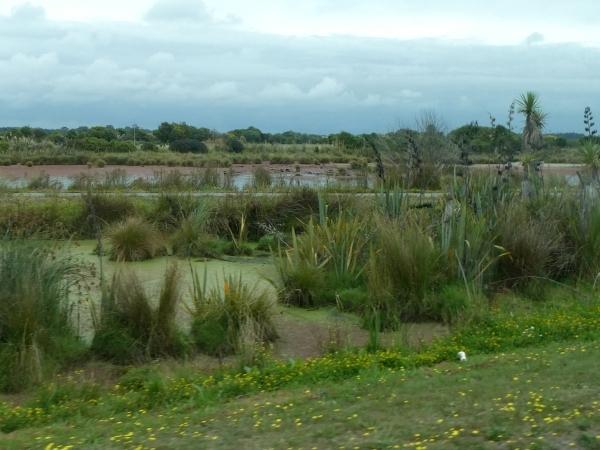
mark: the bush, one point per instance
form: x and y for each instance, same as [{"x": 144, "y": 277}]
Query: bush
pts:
[
  {"x": 188, "y": 146},
  {"x": 130, "y": 329},
  {"x": 96, "y": 162},
  {"x": 353, "y": 299},
  {"x": 269, "y": 242},
  {"x": 102, "y": 210},
  {"x": 36, "y": 336},
  {"x": 223, "y": 320},
  {"x": 135, "y": 240},
  {"x": 234, "y": 145},
  {"x": 149, "y": 147}
]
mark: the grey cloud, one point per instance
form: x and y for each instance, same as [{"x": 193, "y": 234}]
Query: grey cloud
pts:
[
  {"x": 534, "y": 38},
  {"x": 178, "y": 10},
  {"x": 28, "y": 12},
  {"x": 54, "y": 74}
]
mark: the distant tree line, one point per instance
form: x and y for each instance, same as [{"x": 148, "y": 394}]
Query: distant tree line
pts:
[{"x": 181, "y": 137}]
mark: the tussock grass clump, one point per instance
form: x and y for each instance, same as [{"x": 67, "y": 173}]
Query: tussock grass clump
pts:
[
  {"x": 403, "y": 271},
  {"x": 186, "y": 242},
  {"x": 170, "y": 209},
  {"x": 135, "y": 240},
  {"x": 328, "y": 257},
  {"x": 531, "y": 245},
  {"x": 228, "y": 320},
  {"x": 131, "y": 328},
  {"x": 36, "y": 336},
  {"x": 191, "y": 239}
]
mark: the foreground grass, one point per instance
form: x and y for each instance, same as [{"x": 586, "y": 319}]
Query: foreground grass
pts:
[{"x": 541, "y": 398}]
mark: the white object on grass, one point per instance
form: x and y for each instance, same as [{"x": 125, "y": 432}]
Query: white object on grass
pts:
[{"x": 462, "y": 356}]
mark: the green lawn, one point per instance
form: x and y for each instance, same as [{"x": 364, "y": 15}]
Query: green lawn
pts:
[{"x": 541, "y": 398}]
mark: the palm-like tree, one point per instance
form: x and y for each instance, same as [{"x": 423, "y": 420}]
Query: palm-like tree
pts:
[{"x": 535, "y": 120}]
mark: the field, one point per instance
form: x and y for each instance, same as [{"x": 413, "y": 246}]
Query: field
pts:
[{"x": 538, "y": 398}]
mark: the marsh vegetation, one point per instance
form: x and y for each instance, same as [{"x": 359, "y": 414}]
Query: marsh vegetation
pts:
[{"x": 231, "y": 291}]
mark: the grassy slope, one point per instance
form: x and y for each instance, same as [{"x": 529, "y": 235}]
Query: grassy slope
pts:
[{"x": 544, "y": 398}]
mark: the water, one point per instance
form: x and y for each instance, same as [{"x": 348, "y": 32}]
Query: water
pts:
[{"x": 239, "y": 181}]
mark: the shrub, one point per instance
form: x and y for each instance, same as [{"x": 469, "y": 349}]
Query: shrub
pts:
[
  {"x": 36, "y": 336},
  {"x": 135, "y": 240},
  {"x": 353, "y": 299},
  {"x": 102, "y": 210},
  {"x": 130, "y": 328},
  {"x": 96, "y": 162},
  {"x": 236, "y": 248},
  {"x": 188, "y": 146},
  {"x": 270, "y": 242},
  {"x": 222, "y": 318},
  {"x": 234, "y": 145}
]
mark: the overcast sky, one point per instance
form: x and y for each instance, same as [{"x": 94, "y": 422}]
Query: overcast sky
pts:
[{"x": 311, "y": 65}]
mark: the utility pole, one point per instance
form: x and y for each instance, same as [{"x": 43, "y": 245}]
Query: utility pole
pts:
[{"x": 134, "y": 127}]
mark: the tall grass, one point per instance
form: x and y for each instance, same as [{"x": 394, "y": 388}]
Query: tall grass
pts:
[
  {"x": 403, "y": 271},
  {"x": 36, "y": 336},
  {"x": 261, "y": 178},
  {"x": 133, "y": 327},
  {"x": 531, "y": 245},
  {"x": 328, "y": 257},
  {"x": 135, "y": 240},
  {"x": 192, "y": 239},
  {"x": 230, "y": 318}
]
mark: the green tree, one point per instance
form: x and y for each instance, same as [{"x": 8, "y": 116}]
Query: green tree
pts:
[
  {"x": 164, "y": 133},
  {"x": 234, "y": 145}
]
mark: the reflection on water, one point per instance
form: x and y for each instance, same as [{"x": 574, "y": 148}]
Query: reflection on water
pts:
[
  {"x": 227, "y": 179},
  {"x": 238, "y": 181}
]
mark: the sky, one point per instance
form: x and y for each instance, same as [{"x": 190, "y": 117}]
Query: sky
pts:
[{"x": 317, "y": 66}]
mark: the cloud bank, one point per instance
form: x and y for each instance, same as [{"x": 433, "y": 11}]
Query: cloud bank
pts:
[{"x": 184, "y": 62}]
